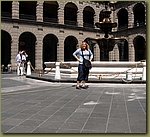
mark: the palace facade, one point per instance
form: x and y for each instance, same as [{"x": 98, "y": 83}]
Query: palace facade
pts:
[{"x": 53, "y": 30}]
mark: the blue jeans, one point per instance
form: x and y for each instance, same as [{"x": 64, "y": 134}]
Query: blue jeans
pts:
[{"x": 83, "y": 73}]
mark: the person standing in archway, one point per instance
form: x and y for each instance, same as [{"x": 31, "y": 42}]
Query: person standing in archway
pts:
[
  {"x": 24, "y": 61},
  {"x": 83, "y": 54}
]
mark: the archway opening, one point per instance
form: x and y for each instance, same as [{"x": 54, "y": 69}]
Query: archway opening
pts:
[
  {"x": 50, "y": 11},
  {"x": 6, "y": 9},
  {"x": 50, "y": 43},
  {"x": 27, "y": 42},
  {"x": 139, "y": 14},
  {"x": 123, "y": 51},
  {"x": 5, "y": 48},
  {"x": 91, "y": 45},
  {"x": 70, "y": 45},
  {"x": 70, "y": 14},
  {"x": 88, "y": 17},
  {"x": 27, "y": 10},
  {"x": 140, "y": 48},
  {"x": 122, "y": 19}
]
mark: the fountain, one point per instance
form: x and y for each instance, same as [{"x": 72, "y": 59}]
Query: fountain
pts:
[
  {"x": 106, "y": 44},
  {"x": 104, "y": 69}
]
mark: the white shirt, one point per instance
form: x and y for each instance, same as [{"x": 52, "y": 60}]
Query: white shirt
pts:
[
  {"x": 86, "y": 53},
  {"x": 18, "y": 58},
  {"x": 24, "y": 57}
]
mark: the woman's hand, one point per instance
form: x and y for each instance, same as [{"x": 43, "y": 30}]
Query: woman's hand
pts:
[{"x": 78, "y": 59}]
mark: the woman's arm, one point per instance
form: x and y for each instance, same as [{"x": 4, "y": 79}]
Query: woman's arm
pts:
[
  {"x": 76, "y": 53},
  {"x": 91, "y": 55}
]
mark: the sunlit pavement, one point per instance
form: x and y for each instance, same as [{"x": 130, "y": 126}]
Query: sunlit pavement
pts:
[{"x": 34, "y": 106}]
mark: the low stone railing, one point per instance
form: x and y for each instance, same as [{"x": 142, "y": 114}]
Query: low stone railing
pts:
[{"x": 101, "y": 69}]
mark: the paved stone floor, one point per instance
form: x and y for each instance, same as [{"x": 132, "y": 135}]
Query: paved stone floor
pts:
[{"x": 34, "y": 106}]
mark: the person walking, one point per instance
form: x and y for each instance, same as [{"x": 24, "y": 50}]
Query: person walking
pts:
[
  {"x": 81, "y": 54},
  {"x": 24, "y": 61},
  {"x": 19, "y": 63}
]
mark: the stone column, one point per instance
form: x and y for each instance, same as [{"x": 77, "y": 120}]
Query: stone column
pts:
[
  {"x": 39, "y": 42},
  {"x": 14, "y": 44},
  {"x": 131, "y": 49},
  {"x": 15, "y": 10},
  {"x": 39, "y": 11},
  {"x": 61, "y": 13},
  {"x": 80, "y": 17},
  {"x": 60, "y": 47},
  {"x": 130, "y": 17},
  {"x": 39, "y": 49}
]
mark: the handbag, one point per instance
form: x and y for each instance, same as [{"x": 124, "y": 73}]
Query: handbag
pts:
[{"x": 86, "y": 62}]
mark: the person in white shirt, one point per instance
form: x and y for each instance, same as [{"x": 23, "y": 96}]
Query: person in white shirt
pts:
[
  {"x": 19, "y": 62},
  {"x": 24, "y": 61},
  {"x": 18, "y": 57},
  {"x": 83, "y": 72}
]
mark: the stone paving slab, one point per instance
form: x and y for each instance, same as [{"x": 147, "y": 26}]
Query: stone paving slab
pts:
[{"x": 60, "y": 108}]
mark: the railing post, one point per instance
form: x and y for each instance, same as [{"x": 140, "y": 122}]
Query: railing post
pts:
[
  {"x": 129, "y": 75},
  {"x": 57, "y": 71},
  {"x": 28, "y": 68},
  {"x": 144, "y": 71}
]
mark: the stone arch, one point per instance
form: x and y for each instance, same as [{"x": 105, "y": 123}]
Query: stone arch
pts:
[
  {"x": 50, "y": 43},
  {"x": 122, "y": 19},
  {"x": 5, "y": 48},
  {"x": 140, "y": 48},
  {"x": 27, "y": 10},
  {"x": 27, "y": 42},
  {"x": 50, "y": 11},
  {"x": 70, "y": 14},
  {"x": 139, "y": 14},
  {"x": 88, "y": 17},
  {"x": 70, "y": 45}
]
